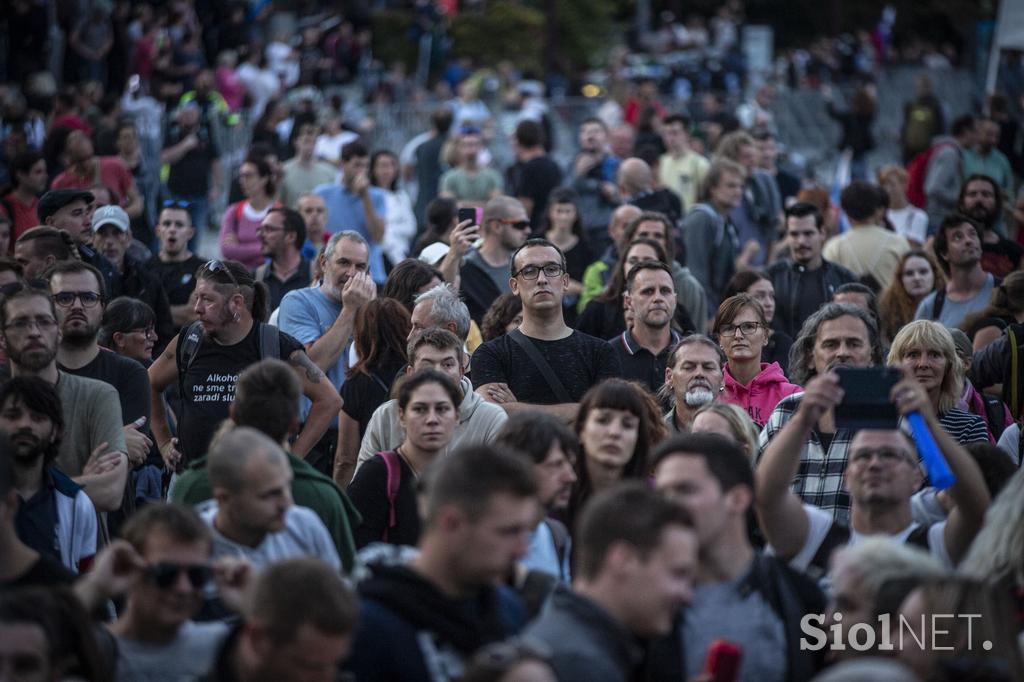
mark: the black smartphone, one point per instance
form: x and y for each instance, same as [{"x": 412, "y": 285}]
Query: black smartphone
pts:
[
  {"x": 467, "y": 214},
  {"x": 866, "y": 403}
]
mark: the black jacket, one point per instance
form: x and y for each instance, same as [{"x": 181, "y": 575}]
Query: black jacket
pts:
[
  {"x": 478, "y": 290},
  {"x": 785, "y": 276}
]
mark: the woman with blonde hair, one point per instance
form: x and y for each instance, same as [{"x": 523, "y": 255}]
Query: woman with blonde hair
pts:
[
  {"x": 927, "y": 352},
  {"x": 728, "y": 421},
  {"x": 917, "y": 275}
]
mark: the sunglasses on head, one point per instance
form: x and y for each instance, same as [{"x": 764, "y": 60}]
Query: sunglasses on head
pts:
[
  {"x": 177, "y": 203},
  {"x": 216, "y": 265},
  {"x": 165, "y": 573}
]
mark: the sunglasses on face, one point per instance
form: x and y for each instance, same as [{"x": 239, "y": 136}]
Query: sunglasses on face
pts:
[
  {"x": 165, "y": 573},
  {"x": 515, "y": 224}
]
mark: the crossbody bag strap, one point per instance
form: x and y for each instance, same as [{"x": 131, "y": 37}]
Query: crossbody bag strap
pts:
[{"x": 554, "y": 383}]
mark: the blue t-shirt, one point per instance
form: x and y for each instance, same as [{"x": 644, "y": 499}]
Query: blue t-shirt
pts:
[
  {"x": 345, "y": 212},
  {"x": 307, "y": 314}
]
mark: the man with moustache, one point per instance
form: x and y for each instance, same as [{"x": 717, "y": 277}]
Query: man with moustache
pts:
[
  {"x": 694, "y": 366},
  {"x": 282, "y": 234},
  {"x": 982, "y": 200},
  {"x": 175, "y": 265},
  {"x": 968, "y": 287},
  {"x": 55, "y": 517}
]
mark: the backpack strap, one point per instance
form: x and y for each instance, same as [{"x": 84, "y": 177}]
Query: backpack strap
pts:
[
  {"x": 837, "y": 536},
  {"x": 919, "y": 538},
  {"x": 394, "y": 479},
  {"x": 270, "y": 342},
  {"x": 554, "y": 383},
  {"x": 261, "y": 272},
  {"x": 939, "y": 302}
]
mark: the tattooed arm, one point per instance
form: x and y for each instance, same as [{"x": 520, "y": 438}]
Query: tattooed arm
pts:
[{"x": 325, "y": 399}]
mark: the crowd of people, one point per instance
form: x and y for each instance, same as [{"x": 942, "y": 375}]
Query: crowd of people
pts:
[{"x": 601, "y": 420}]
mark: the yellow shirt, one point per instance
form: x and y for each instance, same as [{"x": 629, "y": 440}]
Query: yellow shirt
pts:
[{"x": 683, "y": 176}]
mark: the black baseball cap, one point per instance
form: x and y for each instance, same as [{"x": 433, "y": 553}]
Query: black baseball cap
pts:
[{"x": 56, "y": 199}]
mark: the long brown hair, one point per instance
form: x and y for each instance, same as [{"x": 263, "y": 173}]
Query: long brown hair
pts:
[
  {"x": 381, "y": 329},
  {"x": 617, "y": 284},
  {"x": 897, "y": 307}
]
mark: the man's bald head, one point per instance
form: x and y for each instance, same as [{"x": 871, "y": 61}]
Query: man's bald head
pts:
[
  {"x": 231, "y": 453},
  {"x": 501, "y": 208},
  {"x": 621, "y": 218},
  {"x": 635, "y": 176}
]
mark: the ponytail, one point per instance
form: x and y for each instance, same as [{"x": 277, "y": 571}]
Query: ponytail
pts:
[
  {"x": 72, "y": 247},
  {"x": 260, "y": 299}
]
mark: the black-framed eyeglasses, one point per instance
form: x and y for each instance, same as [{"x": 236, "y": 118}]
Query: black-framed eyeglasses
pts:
[
  {"x": 23, "y": 324},
  {"x": 149, "y": 331},
  {"x": 551, "y": 270},
  {"x": 216, "y": 265},
  {"x": 746, "y": 328},
  {"x": 66, "y": 299},
  {"x": 178, "y": 203},
  {"x": 165, "y": 573},
  {"x": 515, "y": 224}
]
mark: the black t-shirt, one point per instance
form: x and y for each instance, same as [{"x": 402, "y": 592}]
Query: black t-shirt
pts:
[
  {"x": 190, "y": 175},
  {"x": 534, "y": 180},
  {"x": 810, "y": 294},
  {"x": 209, "y": 386},
  {"x": 368, "y": 492},
  {"x": 607, "y": 320},
  {"x": 1001, "y": 258},
  {"x": 178, "y": 279},
  {"x": 579, "y": 361},
  {"x": 363, "y": 394},
  {"x": 45, "y": 572},
  {"x": 128, "y": 376}
]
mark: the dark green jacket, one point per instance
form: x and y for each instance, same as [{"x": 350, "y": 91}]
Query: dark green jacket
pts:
[{"x": 310, "y": 488}]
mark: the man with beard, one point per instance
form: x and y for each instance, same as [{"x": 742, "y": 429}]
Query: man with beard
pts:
[
  {"x": 968, "y": 287},
  {"x": 837, "y": 334},
  {"x": 693, "y": 378},
  {"x": 553, "y": 450},
  {"x": 112, "y": 235},
  {"x": 504, "y": 228},
  {"x": 282, "y": 234},
  {"x": 71, "y": 210},
  {"x": 323, "y": 319},
  {"x": 982, "y": 200},
  {"x": 644, "y": 347},
  {"x": 205, "y": 358},
  {"x": 77, "y": 291},
  {"x": 55, "y": 517},
  {"x": 175, "y": 265},
  {"x": 92, "y": 445},
  {"x": 987, "y": 159}
]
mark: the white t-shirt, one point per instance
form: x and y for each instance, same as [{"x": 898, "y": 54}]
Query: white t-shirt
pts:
[
  {"x": 910, "y": 221},
  {"x": 190, "y": 655}
]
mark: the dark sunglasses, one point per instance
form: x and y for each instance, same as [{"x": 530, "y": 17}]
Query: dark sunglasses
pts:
[
  {"x": 515, "y": 224},
  {"x": 165, "y": 574},
  {"x": 177, "y": 203}
]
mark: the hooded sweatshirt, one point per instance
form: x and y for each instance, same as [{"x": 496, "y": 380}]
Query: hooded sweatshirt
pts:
[{"x": 763, "y": 393}]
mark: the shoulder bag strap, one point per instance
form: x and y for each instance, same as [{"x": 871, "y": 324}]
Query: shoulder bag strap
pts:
[
  {"x": 394, "y": 479},
  {"x": 554, "y": 383},
  {"x": 270, "y": 342}
]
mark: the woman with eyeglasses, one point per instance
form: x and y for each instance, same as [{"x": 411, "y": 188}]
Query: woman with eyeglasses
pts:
[
  {"x": 384, "y": 489},
  {"x": 742, "y": 330},
  {"x": 238, "y": 227},
  {"x": 605, "y": 316},
  {"x": 758, "y": 285},
  {"x": 128, "y": 329}
]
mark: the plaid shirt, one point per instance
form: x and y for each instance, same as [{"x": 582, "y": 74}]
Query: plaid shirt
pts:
[{"x": 819, "y": 480}]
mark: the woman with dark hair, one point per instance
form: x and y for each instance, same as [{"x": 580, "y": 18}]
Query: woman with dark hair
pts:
[
  {"x": 504, "y": 315},
  {"x": 1006, "y": 307},
  {"x": 441, "y": 214},
  {"x": 400, "y": 222},
  {"x": 409, "y": 279},
  {"x": 617, "y": 429},
  {"x": 564, "y": 229},
  {"x": 128, "y": 329},
  {"x": 758, "y": 285},
  {"x": 917, "y": 275},
  {"x": 604, "y": 317},
  {"x": 742, "y": 329},
  {"x": 381, "y": 329},
  {"x": 238, "y": 227},
  {"x": 428, "y": 410}
]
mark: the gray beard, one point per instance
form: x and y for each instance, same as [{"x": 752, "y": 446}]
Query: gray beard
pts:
[{"x": 698, "y": 397}]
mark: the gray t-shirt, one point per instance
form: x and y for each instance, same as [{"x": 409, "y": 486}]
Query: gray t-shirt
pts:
[
  {"x": 499, "y": 274},
  {"x": 188, "y": 656},
  {"x": 953, "y": 313},
  {"x": 723, "y": 611}
]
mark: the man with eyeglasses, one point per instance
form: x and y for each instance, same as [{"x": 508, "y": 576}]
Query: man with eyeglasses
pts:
[
  {"x": 92, "y": 450},
  {"x": 882, "y": 474},
  {"x": 546, "y": 362},
  {"x": 112, "y": 235},
  {"x": 282, "y": 234},
  {"x": 174, "y": 264},
  {"x": 165, "y": 554},
  {"x": 484, "y": 275}
]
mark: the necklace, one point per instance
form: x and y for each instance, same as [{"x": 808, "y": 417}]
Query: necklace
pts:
[{"x": 415, "y": 471}]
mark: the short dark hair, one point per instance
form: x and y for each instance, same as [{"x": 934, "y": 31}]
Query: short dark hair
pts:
[
  {"x": 440, "y": 213},
  {"x": 263, "y": 169},
  {"x": 124, "y": 314},
  {"x": 950, "y": 222},
  {"x": 180, "y": 522},
  {"x": 354, "y": 150},
  {"x": 630, "y": 513},
  {"x": 297, "y": 592},
  {"x": 529, "y": 134},
  {"x": 427, "y": 376},
  {"x": 72, "y": 267},
  {"x": 471, "y": 475},
  {"x": 23, "y": 293},
  {"x": 8, "y": 264},
  {"x": 533, "y": 433},
  {"x": 859, "y": 200},
  {"x": 724, "y": 458},
  {"x": 802, "y": 209},
  {"x": 294, "y": 223},
  {"x": 442, "y": 119},
  {"x": 437, "y": 338},
  {"x": 594, "y": 120},
  {"x": 996, "y": 467},
  {"x": 646, "y": 264},
  {"x": 22, "y": 163},
  {"x": 741, "y": 282},
  {"x": 962, "y": 124},
  {"x": 681, "y": 119},
  {"x": 267, "y": 398},
  {"x": 653, "y": 217},
  {"x": 40, "y": 397},
  {"x": 535, "y": 242}
]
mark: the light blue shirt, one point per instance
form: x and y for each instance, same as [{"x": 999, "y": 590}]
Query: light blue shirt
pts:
[
  {"x": 541, "y": 555},
  {"x": 345, "y": 212},
  {"x": 307, "y": 314}
]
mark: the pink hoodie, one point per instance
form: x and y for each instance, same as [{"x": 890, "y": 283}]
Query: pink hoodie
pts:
[{"x": 762, "y": 395}]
